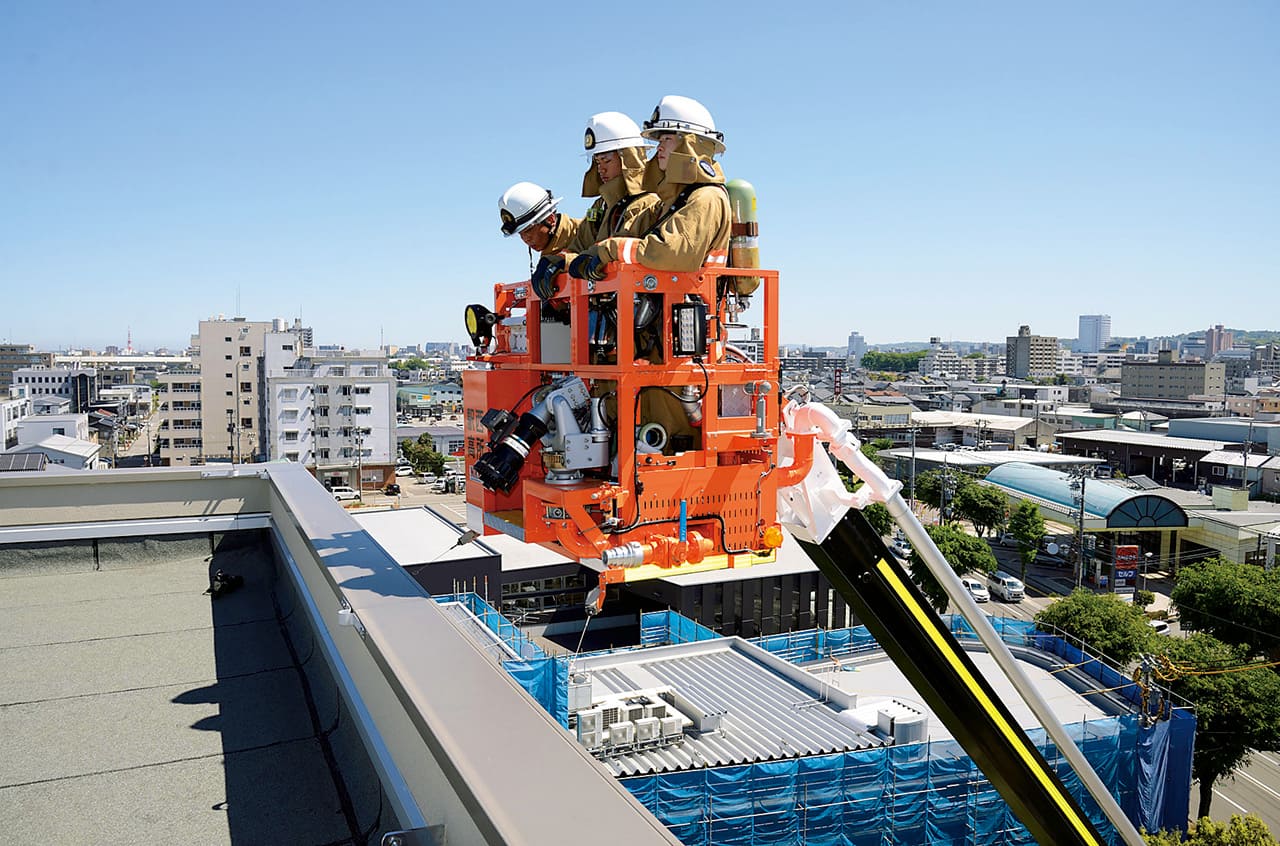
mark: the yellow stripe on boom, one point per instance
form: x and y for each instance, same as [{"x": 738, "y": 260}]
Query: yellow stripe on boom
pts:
[{"x": 1011, "y": 733}]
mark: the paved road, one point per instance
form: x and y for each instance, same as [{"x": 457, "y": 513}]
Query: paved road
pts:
[{"x": 1254, "y": 790}]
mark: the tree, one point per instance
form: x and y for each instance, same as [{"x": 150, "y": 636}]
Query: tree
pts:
[
  {"x": 893, "y": 362},
  {"x": 878, "y": 516},
  {"x": 1100, "y": 620},
  {"x": 930, "y": 487},
  {"x": 1237, "y": 707},
  {"x": 965, "y": 554},
  {"x": 1241, "y": 831},
  {"x": 422, "y": 455},
  {"x": 1236, "y": 603},
  {"x": 1027, "y": 527},
  {"x": 984, "y": 506}
]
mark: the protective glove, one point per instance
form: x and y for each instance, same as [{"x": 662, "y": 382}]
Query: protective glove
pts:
[
  {"x": 587, "y": 266},
  {"x": 544, "y": 276}
]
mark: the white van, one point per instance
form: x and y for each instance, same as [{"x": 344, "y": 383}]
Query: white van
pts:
[
  {"x": 342, "y": 492},
  {"x": 1007, "y": 587}
]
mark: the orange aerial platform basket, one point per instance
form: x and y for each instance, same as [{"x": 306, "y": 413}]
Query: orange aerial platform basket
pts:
[{"x": 617, "y": 422}]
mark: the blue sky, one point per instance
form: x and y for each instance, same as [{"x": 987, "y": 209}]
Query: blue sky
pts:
[{"x": 950, "y": 169}]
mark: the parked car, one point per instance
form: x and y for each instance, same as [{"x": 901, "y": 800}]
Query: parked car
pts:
[
  {"x": 1007, "y": 539},
  {"x": 342, "y": 492},
  {"x": 901, "y": 547},
  {"x": 1158, "y": 626},
  {"x": 976, "y": 589},
  {"x": 404, "y": 470},
  {"x": 427, "y": 479},
  {"x": 392, "y": 489},
  {"x": 1008, "y": 588}
]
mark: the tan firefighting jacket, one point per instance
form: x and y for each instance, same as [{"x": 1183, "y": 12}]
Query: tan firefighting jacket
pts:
[
  {"x": 566, "y": 228},
  {"x": 694, "y": 234},
  {"x": 609, "y": 216}
]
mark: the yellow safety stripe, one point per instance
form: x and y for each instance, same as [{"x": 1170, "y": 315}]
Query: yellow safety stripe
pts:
[{"x": 1012, "y": 735}]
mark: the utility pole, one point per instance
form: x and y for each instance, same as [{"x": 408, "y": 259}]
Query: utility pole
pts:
[
  {"x": 359, "y": 464},
  {"x": 1081, "y": 478},
  {"x": 1248, "y": 445},
  {"x": 913, "y": 429}
]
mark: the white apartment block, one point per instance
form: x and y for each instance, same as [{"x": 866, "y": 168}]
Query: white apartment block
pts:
[
  {"x": 334, "y": 412},
  {"x": 11, "y": 412},
  {"x": 1069, "y": 364}
]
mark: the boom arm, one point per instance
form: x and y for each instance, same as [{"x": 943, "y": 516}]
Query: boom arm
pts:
[{"x": 855, "y": 560}]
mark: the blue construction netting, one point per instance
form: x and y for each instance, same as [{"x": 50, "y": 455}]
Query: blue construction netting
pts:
[
  {"x": 662, "y": 627},
  {"x": 1147, "y": 767},
  {"x": 926, "y": 793},
  {"x": 547, "y": 681}
]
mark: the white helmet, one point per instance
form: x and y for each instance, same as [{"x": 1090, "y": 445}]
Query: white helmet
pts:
[
  {"x": 683, "y": 114},
  {"x": 523, "y": 205},
  {"x": 610, "y": 131}
]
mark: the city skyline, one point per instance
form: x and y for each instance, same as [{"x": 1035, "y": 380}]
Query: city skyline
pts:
[{"x": 978, "y": 165}]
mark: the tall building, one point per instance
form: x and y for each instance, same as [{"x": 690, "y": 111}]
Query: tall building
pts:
[
  {"x": 1095, "y": 333},
  {"x": 17, "y": 356},
  {"x": 857, "y": 348},
  {"x": 1030, "y": 356},
  {"x": 334, "y": 412},
  {"x": 1216, "y": 340},
  {"x": 1168, "y": 378},
  {"x": 941, "y": 361}
]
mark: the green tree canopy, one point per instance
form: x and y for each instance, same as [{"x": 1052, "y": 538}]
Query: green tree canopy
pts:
[
  {"x": 1236, "y": 603},
  {"x": 878, "y": 516},
  {"x": 929, "y": 486},
  {"x": 965, "y": 554},
  {"x": 1027, "y": 526},
  {"x": 893, "y": 362},
  {"x": 1240, "y": 831},
  {"x": 984, "y": 506},
  {"x": 422, "y": 455},
  {"x": 1237, "y": 706},
  {"x": 1104, "y": 623}
]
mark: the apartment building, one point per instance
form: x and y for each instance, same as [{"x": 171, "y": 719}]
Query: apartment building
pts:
[
  {"x": 334, "y": 412},
  {"x": 1030, "y": 356},
  {"x": 17, "y": 357}
]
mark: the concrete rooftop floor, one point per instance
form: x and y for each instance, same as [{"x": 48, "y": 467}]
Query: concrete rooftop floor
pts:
[{"x": 133, "y": 708}]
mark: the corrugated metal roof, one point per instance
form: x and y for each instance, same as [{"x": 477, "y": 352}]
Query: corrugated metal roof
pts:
[
  {"x": 1123, "y": 436},
  {"x": 768, "y": 716}
]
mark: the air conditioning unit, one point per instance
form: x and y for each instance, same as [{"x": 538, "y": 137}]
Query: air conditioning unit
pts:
[
  {"x": 622, "y": 734},
  {"x": 590, "y": 739},
  {"x": 632, "y": 712},
  {"x": 590, "y": 720},
  {"x": 657, "y": 711},
  {"x": 647, "y": 729},
  {"x": 671, "y": 727}
]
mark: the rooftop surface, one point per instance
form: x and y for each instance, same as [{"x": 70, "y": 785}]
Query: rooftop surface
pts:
[
  {"x": 882, "y": 678},
  {"x": 132, "y": 705},
  {"x": 1125, "y": 436}
]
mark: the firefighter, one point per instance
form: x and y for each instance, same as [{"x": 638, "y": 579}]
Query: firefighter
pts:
[
  {"x": 614, "y": 176},
  {"x": 529, "y": 210},
  {"x": 694, "y": 222}
]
